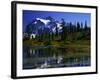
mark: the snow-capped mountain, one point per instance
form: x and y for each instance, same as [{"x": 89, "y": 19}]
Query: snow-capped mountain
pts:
[
  {"x": 45, "y": 25},
  {"x": 58, "y": 27},
  {"x": 43, "y": 20}
]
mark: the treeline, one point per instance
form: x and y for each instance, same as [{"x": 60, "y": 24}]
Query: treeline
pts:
[
  {"x": 69, "y": 32},
  {"x": 78, "y": 31}
]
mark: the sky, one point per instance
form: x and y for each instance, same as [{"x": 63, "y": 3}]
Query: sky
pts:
[{"x": 73, "y": 17}]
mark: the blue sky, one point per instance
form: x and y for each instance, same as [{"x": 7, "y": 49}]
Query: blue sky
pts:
[{"x": 73, "y": 17}]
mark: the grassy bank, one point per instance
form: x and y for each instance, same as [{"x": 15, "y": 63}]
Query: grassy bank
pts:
[{"x": 74, "y": 46}]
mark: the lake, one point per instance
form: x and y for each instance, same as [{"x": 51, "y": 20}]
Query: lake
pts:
[{"x": 41, "y": 57}]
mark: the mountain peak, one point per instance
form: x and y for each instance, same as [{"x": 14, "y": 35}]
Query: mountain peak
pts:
[
  {"x": 48, "y": 24},
  {"x": 43, "y": 20}
]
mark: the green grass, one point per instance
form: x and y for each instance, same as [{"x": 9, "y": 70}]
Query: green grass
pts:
[{"x": 75, "y": 46}]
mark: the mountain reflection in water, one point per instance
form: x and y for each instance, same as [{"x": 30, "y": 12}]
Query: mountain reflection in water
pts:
[{"x": 50, "y": 57}]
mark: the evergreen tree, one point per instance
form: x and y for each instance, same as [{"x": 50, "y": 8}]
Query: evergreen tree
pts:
[
  {"x": 78, "y": 26},
  {"x": 81, "y": 25},
  {"x": 64, "y": 30},
  {"x": 71, "y": 27},
  {"x": 85, "y": 27},
  {"x": 56, "y": 31}
]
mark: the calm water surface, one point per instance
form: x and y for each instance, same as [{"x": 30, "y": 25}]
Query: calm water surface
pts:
[{"x": 50, "y": 57}]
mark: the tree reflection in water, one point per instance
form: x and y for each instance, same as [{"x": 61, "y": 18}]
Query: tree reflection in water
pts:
[{"x": 50, "y": 57}]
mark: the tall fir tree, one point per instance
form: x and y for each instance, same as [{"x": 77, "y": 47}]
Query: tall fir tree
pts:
[
  {"x": 64, "y": 30},
  {"x": 85, "y": 26},
  {"x": 78, "y": 26}
]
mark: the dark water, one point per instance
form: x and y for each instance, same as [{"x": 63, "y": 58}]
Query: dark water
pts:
[{"x": 50, "y": 57}]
